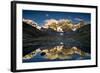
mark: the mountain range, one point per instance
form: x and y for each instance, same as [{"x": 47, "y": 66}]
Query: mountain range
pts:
[
  {"x": 33, "y": 34},
  {"x": 62, "y": 25}
]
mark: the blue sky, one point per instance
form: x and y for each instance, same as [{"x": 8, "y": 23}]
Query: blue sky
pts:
[{"x": 40, "y": 16}]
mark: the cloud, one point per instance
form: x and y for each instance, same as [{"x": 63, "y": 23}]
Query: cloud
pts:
[
  {"x": 64, "y": 20},
  {"x": 78, "y": 19},
  {"x": 49, "y": 22},
  {"x": 30, "y": 22},
  {"x": 47, "y": 15}
]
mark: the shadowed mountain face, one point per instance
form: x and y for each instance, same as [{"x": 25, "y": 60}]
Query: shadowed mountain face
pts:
[
  {"x": 31, "y": 34},
  {"x": 31, "y": 31},
  {"x": 43, "y": 44},
  {"x": 84, "y": 35}
]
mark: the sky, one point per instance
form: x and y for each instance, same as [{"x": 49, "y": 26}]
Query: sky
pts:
[{"x": 40, "y": 16}]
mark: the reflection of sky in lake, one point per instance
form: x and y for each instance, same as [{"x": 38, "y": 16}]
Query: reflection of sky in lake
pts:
[{"x": 56, "y": 53}]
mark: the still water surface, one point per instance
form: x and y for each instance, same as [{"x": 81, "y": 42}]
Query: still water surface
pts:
[{"x": 57, "y": 50}]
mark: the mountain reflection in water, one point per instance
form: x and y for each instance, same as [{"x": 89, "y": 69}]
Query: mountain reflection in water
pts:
[{"x": 56, "y": 53}]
